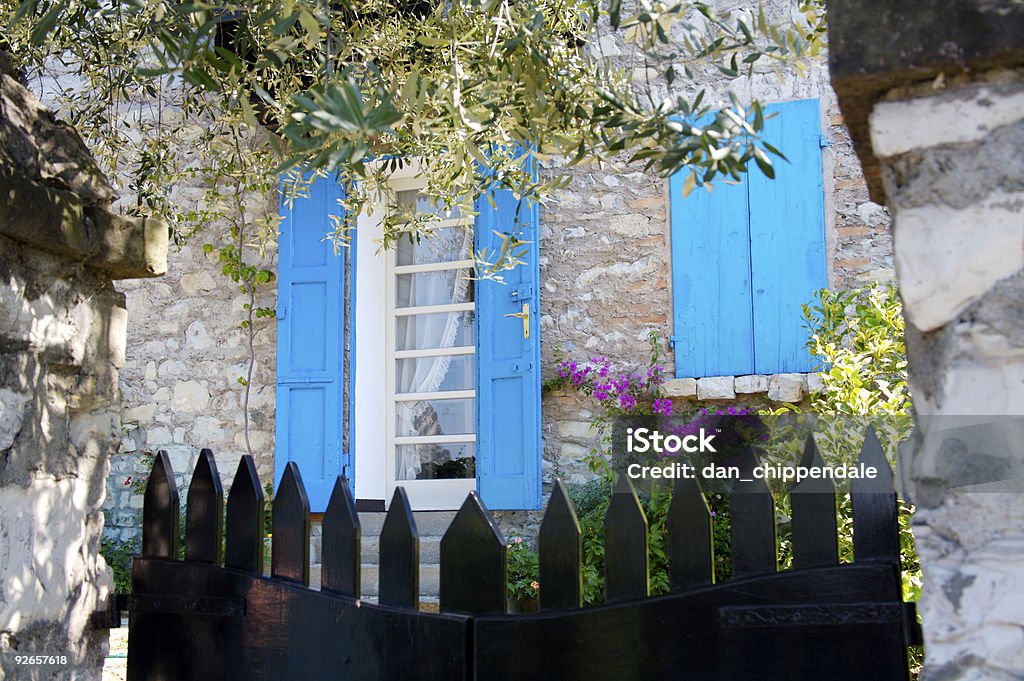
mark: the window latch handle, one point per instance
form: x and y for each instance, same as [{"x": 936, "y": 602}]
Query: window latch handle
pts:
[{"x": 525, "y": 316}]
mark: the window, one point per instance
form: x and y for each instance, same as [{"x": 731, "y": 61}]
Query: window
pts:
[
  {"x": 433, "y": 385},
  {"x": 745, "y": 257}
]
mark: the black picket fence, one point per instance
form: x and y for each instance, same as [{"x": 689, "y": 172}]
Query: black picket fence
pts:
[{"x": 214, "y": 616}]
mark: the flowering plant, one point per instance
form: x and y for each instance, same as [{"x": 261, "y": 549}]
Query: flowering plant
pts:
[
  {"x": 522, "y": 565},
  {"x": 620, "y": 390}
]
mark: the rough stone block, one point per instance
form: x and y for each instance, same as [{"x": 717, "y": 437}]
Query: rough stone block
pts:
[
  {"x": 141, "y": 414},
  {"x": 12, "y": 414},
  {"x": 196, "y": 282},
  {"x": 716, "y": 388},
  {"x": 190, "y": 396},
  {"x": 573, "y": 452},
  {"x": 946, "y": 262},
  {"x": 117, "y": 335},
  {"x": 630, "y": 225},
  {"x": 576, "y": 430},
  {"x": 160, "y": 435},
  {"x": 197, "y": 337},
  {"x": 207, "y": 431},
  {"x": 680, "y": 387},
  {"x": 945, "y": 118},
  {"x": 755, "y": 383},
  {"x": 786, "y": 387},
  {"x": 813, "y": 383}
]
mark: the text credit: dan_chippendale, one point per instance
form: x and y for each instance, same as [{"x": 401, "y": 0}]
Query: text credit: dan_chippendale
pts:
[{"x": 644, "y": 441}]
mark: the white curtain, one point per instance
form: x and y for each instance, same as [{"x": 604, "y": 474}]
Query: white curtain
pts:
[{"x": 437, "y": 330}]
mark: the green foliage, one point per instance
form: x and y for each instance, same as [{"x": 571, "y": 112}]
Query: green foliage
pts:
[
  {"x": 119, "y": 556},
  {"x": 858, "y": 337},
  {"x": 591, "y": 500},
  {"x": 170, "y": 92},
  {"x": 522, "y": 569}
]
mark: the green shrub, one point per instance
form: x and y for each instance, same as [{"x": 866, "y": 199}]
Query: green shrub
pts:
[
  {"x": 119, "y": 557},
  {"x": 858, "y": 337},
  {"x": 591, "y": 500}
]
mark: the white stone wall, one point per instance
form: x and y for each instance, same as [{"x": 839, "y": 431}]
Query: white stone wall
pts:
[
  {"x": 955, "y": 181},
  {"x": 186, "y": 352},
  {"x": 62, "y": 342},
  {"x": 58, "y": 425}
]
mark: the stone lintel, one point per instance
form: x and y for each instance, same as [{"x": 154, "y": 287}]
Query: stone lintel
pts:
[
  {"x": 58, "y": 221},
  {"x": 878, "y": 45}
]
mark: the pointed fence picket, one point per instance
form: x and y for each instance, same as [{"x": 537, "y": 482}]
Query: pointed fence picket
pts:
[
  {"x": 813, "y": 502},
  {"x": 246, "y": 508},
  {"x": 626, "y": 574},
  {"x": 341, "y": 558},
  {"x": 690, "y": 551},
  {"x": 473, "y": 573},
  {"x": 876, "y": 533},
  {"x": 752, "y": 513},
  {"x": 560, "y": 544},
  {"x": 204, "y": 520},
  {"x": 400, "y": 555},
  {"x": 473, "y": 562},
  {"x": 290, "y": 527},
  {"x": 160, "y": 511}
]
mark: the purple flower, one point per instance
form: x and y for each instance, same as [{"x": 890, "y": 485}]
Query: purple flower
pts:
[
  {"x": 627, "y": 401},
  {"x": 662, "y": 405}
]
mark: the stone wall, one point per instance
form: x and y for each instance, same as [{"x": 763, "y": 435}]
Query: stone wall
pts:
[
  {"x": 180, "y": 380},
  {"x": 606, "y": 260},
  {"x": 938, "y": 96},
  {"x": 605, "y": 270},
  {"x": 957, "y": 193},
  {"x": 62, "y": 341}
]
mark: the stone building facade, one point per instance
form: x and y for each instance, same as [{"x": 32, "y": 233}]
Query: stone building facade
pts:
[
  {"x": 605, "y": 262},
  {"x": 62, "y": 344}
]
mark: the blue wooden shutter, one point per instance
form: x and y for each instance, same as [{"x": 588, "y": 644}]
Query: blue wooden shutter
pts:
[
  {"x": 508, "y": 454},
  {"x": 310, "y": 311},
  {"x": 712, "y": 318},
  {"x": 746, "y": 256},
  {"x": 787, "y": 238}
]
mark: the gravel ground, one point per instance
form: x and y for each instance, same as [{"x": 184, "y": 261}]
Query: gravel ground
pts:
[{"x": 115, "y": 668}]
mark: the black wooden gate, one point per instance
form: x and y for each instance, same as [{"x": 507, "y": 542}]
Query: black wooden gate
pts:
[{"x": 215, "y": 616}]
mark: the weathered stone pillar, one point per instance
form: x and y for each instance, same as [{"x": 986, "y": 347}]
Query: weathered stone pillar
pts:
[
  {"x": 62, "y": 341},
  {"x": 933, "y": 92}
]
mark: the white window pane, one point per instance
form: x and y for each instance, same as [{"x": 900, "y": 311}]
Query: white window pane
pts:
[
  {"x": 441, "y": 245},
  {"x": 434, "y": 330},
  {"x": 431, "y": 374},
  {"x": 433, "y": 288},
  {"x": 412, "y": 198},
  {"x": 425, "y": 418}
]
